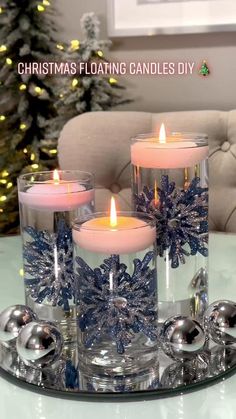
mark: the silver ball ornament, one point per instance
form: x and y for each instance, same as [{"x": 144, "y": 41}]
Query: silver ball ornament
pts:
[
  {"x": 39, "y": 344},
  {"x": 220, "y": 322},
  {"x": 182, "y": 338},
  {"x": 12, "y": 319}
]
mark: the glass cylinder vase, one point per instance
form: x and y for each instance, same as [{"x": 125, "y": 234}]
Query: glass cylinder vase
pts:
[
  {"x": 115, "y": 270},
  {"x": 49, "y": 202},
  {"x": 170, "y": 182}
]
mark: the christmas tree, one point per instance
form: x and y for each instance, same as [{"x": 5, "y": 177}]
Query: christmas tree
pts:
[
  {"x": 27, "y": 34},
  {"x": 86, "y": 92},
  {"x": 204, "y": 70},
  {"x": 33, "y": 107}
]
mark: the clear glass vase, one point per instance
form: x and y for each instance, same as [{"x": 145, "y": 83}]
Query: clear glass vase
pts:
[
  {"x": 115, "y": 269},
  {"x": 170, "y": 182},
  {"x": 49, "y": 202}
]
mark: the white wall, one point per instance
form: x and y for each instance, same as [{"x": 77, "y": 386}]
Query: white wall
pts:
[{"x": 162, "y": 93}]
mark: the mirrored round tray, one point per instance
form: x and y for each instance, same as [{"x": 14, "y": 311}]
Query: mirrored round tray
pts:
[{"x": 167, "y": 378}]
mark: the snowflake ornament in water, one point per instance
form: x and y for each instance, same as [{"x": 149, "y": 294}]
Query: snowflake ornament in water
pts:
[
  {"x": 181, "y": 214},
  {"x": 48, "y": 265},
  {"x": 116, "y": 304}
]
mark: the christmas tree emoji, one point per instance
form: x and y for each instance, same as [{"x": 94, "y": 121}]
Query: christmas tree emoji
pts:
[{"x": 204, "y": 70}]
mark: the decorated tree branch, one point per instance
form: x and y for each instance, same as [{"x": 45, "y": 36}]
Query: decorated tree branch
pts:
[
  {"x": 86, "y": 92},
  {"x": 27, "y": 34}
]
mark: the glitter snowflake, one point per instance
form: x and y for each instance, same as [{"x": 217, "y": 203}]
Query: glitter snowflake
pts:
[
  {"x": 181, "y": 214},
  {"x": 48, "y": 265},
  {"x": 121, "y": 310},
  {"x": 71, "y": 376}
]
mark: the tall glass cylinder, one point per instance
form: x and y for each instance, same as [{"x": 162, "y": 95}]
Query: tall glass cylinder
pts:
[
  {"x": 49, "y": 202},
  {"x": 170, "y": 182},
  {"x": 115, "y": 268}
]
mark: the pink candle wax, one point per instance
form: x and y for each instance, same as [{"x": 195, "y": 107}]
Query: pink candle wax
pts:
[
  {"x": 115, "y": 234},
  {"x": 61, "y": 196},
  {"x": 167, "y": 152}
]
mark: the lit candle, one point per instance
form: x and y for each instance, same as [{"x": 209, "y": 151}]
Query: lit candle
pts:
[
  {"x": 115, "y": 234},
  {"x": 175, "y": 151},
  {"x": 56, "y": 195}
]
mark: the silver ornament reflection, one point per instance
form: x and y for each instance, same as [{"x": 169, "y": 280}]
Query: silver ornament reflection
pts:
[
  {"x": 220, "y": 322},
  {"x": 222, "y": 359},
  {"x": 198, "y": 290},
  {"x": 182, "y": 338},
  {"x": 184, "y": 373},
  {"x": 12, "y": 319},
  {"x": 39, "y": 344}
]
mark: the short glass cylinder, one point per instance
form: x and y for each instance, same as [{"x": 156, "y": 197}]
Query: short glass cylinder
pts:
[
  {"x": 170, "y": 182},
  {"x": 115, "y": 271},
  {"x": 47, "y": 208}
]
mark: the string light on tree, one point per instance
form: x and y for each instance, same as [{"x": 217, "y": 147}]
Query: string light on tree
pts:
[
  {"x": 74, "y": 44},
  {"x": 100, "y": 53},
  {"x": 2, "y": 118},
  {"x": 23, "y": 126},
  {"x": 60, "y": 47},
  {"x": 32, "y": 157},
  {"x": 112, "y": 80},
  {"x": 38, "y": 90},
  {"x": 9, "y": 61},
  {"x": 22, "y": 87},
  {"x": 40, "y": 8},
  {"x": 46, "y": 3},
  {"x": 74, "y": 83},
  {"x": 35, "y": 166},
  {"x": 3, "y": 48}
]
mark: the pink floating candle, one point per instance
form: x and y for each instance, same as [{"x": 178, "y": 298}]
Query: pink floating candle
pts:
[
  {"x": 175, "y": 151},
  {"x": 115, "y": 234},
  {"x": 56, "y": 195}
]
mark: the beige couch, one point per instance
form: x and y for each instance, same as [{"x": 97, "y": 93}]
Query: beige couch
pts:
[{"x": 99, "y": 142}]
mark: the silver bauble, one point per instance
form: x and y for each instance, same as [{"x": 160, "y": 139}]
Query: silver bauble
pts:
[
  {"x": 12, "y": 319},
  {"x": 182, "y": 338},
  {"x": 220, "y": 322},
  {"x": 39, "y": 344}
]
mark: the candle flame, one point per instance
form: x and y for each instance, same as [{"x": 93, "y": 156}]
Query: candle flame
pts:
[
  {"x": 56, "y": 177},
  {"x": 186, "y": 179},
  {"x": 113, "y": 214},
  {"x": 162, "y": 134},
  {"x": 155, "y": 194}
]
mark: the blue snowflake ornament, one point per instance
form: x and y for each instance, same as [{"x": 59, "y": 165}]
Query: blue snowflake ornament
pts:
[
  {"x": 48, "y": 265},
  {"x": 182, "y": 218},
  {"x": 116, "y": 304}
]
